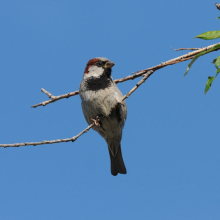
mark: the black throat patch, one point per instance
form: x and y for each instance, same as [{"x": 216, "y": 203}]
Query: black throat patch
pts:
[{"x": 98, "y": 83}]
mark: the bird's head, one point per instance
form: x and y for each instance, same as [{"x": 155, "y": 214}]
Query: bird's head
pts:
[{"x": 98, "y": 66}]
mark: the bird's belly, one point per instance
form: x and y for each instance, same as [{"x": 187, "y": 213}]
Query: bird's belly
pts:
[{"x": 99, "y": 104}]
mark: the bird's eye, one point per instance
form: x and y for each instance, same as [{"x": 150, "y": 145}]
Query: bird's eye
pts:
[{"x": 99, "y": 64}]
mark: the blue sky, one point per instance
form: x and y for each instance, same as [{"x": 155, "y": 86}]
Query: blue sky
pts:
[{"x": 171, "y": 137}]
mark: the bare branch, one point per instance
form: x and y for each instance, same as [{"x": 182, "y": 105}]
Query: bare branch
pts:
[
  {"x": 96, "y": 121},
  {"x": 47, "y": 93},
  {"x": 182, "y": 58},
  {"x": 48, "y": 142},
  {"x": 145, "y": 77},
  {"x": 145, "y": 73},
  {"x": 217, "y": 6},
  {"x": 54, "y": 98},
  {"x": 185, "y": 49},
  {"x": 179, "y": 59}
]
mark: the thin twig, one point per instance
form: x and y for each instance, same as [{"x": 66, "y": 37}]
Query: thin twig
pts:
[
  {"x": 217, "y": 6},
  {"x": 47, "y": 93},
  {"x": 145, "y": 77},
  {"x": 182, "y": 58},
  {"x": 185, "y": 49},
  {"x": 48, "y": 142},
  {"x": 55, "y": 98}
]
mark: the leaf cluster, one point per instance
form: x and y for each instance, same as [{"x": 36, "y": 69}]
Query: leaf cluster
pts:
[{"x": 209, "y": 35}]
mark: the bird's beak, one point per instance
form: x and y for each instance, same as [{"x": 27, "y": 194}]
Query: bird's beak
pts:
[{"x": 109, "y": 64}]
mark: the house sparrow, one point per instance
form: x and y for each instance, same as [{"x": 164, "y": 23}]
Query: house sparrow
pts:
[{"x": 99, "y": 95}]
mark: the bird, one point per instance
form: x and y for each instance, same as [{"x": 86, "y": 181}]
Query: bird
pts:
[{"x": 101, "y": 104}]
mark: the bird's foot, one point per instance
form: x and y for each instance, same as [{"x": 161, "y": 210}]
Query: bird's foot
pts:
[{"x": 96, "y": 121}]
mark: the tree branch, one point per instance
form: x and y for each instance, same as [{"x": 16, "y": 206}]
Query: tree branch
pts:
[
  {"x": 48, "y": 142},
  {"x": 145, "y": 76},
  {"x": 145, "y": 73},
  {"x": 185, "y": 49},
  {"x": 217, "y": 6},
  {"x": 54, "y": 98},
  {"x": 182, "y": 58}
]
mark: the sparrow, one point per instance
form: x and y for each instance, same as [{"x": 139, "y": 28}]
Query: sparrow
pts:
[{"x": 101, "y": 104}]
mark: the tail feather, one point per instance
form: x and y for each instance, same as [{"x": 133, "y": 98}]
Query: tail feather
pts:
[{"x": 117, "y": 163}]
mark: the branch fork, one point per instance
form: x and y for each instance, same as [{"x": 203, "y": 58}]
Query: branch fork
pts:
[
  {"x": 54, "y": 98},
  {"x": 144, "y": 73}
]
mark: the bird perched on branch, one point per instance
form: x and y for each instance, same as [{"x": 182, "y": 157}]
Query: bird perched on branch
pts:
[{"x": 101, "y": 104}]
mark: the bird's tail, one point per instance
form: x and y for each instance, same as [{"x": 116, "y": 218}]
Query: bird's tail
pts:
[{"x": 117, "y": 163}]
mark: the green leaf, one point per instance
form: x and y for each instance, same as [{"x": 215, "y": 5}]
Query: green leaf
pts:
[
  {"x": 210, "y": 80},
  {"x": 209, "y": 35},
  {"x": 190, "y": 64},
  {"x": 209, "y": 83},
  {"x": 218, "y": 18},
  {"x": 214, "y": 60},
  {"x": 198, "y": 55},
  {"x": 217, "y": 72},
  {"x": 217, "y": 62}
]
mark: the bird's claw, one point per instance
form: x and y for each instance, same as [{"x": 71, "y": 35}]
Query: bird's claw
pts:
[{"x": 96, "y": 121}]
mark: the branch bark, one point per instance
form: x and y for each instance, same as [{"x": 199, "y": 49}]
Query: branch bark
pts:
[
  {"x": 54, "y": 98},
  {"x": 145, "y": 73},
  {"x": 145, "y": 76},
  {"x": 48, "y": 142},
  {"x": 217, "y": 6},
  {"x": 137, "y": 74},
  {"x": 186, "y": 49}
]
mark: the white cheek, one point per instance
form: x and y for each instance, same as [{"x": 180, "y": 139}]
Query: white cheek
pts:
[{"x": 95, "y": 71}]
